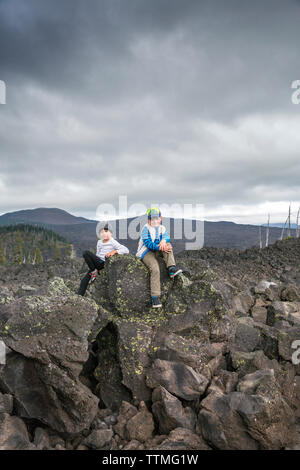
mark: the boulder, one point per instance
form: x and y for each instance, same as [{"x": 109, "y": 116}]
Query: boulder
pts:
[
  {"x": 242, "y": 303},
  {"x": 179, "y": 379},
  {"x": 245, "y": 363},
  {"x": 141, "y": 426},
  {"x": 41, "y": 439},
  {"x": 258, "y": 381},
  {"x": 283, "y": 311},
  {"x": 126, "y": 412},
  {"x": 290, "y": 294},
  {"x": 246, "y": 336},
  {"x": 6, "y": 403},
  {"x": 49, "y": 336},
  {"x": 246, "y": 421},
  {"x": 182, "y": 439},
  {"x": 14, "y": 434},
  {"x": 286, "y": 340},
  {"x": 98, "y": 439},
  {"x": 124, "y": 286},
  {"x": 259, "y": 313},
  {"x": 169, "y": 412}
]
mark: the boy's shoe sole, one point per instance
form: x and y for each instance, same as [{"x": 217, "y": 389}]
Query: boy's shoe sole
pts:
[
  {"x": 157, "y": 306},
  {"x": 179, "y": 271}
]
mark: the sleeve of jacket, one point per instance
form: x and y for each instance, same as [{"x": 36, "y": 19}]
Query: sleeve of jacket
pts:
[
  {"x": 165, "y": 235},
  {"x": 121, "y": 249},
  {"x": 98, "y": 248},
  {"x": 147, "y": 240}
]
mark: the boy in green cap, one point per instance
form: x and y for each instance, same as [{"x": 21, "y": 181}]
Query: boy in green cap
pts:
[{"x": 155, "y": 241}]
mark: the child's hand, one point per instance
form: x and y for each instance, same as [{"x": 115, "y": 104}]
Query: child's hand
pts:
[
  {"x": 162, "y": 245},
  {"x": 168, "y": 248},
  {"x": 111, "y": 253}
]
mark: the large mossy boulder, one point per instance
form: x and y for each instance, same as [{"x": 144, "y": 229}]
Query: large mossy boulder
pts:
[{"x": 48, "y": 335}]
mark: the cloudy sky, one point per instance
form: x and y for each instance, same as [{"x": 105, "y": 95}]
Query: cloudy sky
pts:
[{"x": 161, "y": 101}]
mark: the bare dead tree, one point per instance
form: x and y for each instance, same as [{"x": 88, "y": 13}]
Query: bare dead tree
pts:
[
  {"x": 282, "y": 232},
  {"x": 260, "y": 240},
  {"x": 268, "y": 230},
  {"x": 297, "y": 225},
  {"x": 289, "y": 219}
]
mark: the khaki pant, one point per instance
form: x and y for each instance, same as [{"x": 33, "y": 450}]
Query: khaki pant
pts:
[{"x": 151, "y": 261}]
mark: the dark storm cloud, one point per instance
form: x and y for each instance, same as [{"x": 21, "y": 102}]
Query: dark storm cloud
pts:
[{"x": 192, "y": 98}]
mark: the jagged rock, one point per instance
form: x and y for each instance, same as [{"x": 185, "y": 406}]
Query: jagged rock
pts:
[
  {"x": 6, "y": 403},
  {"x": 246, "y": 363},
  {"x": 242, "y": 303},
  {"x": 224, "y": 382},
  {"x": 49, "y": 334},
  {"x": 255, "y": 382},
  {"x": 268, "y": 340},
  {"x": 183, "y": 439},
  {"x": 126, "y": 412},
  {"x": 203, "y": 357},
  {"x": 286, "y": 338},
  {"x": 197, "y": 303},
  {"x": 283, "y": 311},
  {"x": 134, "y": 348},
  {"x": 223, "y": 329},
  {"x": 117, "y": 288},
  {"x": 98, "y": 439},
  {"x": 169, "y": 412},
  {"x": 177, "y": 378},
  {"x": 41, "y": 439},
  {"x": 246, "y": 336},
  {"x": 259, "y": 314},
  {"x": 134, "y": 445},
  {"x": 290, "y": 294},
  {"x": 13, "y": 434},
  {"x": 246, "y": 421},
  {"x": 141, "y": 426}
]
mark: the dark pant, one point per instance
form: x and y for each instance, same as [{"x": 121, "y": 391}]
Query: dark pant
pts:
[{"x": 93, "y": 262}]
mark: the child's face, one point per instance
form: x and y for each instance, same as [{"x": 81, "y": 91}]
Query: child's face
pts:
[
  {"x": 105, "y": 235},
  {"x": 155, "y": 221}
]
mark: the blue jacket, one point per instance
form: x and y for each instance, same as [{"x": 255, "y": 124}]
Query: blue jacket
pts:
[{"x": 150, "y": 239}]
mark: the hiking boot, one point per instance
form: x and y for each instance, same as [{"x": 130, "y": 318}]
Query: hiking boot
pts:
[
  {"x": 156, "y": 301},
  {"x": 173, "y": 271},
  {"x": 93, "y": 275}
]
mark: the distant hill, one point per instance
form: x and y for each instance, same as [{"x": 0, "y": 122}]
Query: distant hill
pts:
[
  {"x": 22, "y": 243},
  {"x": 41, "y": 215},
  {"x": 280, "y": 224},
  {"x": 81, "y": 232}
]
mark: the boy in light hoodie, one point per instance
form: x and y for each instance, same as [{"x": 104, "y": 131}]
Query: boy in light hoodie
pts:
[
  {"x": 107, "y": 246},
  {"x": 155, "y": 241}
]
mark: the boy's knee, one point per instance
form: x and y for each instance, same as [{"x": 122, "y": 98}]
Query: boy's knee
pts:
[{"x": 85, "y": 253}]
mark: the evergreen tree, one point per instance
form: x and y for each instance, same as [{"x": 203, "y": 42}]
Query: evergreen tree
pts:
[
  {"x": 3, "y": 259},
  {"x": 38, "y": 258},
  {"x": 68, "y": 250},
  {"x": 18, "y": 250},
  {"x": 57, "y": 253}
]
